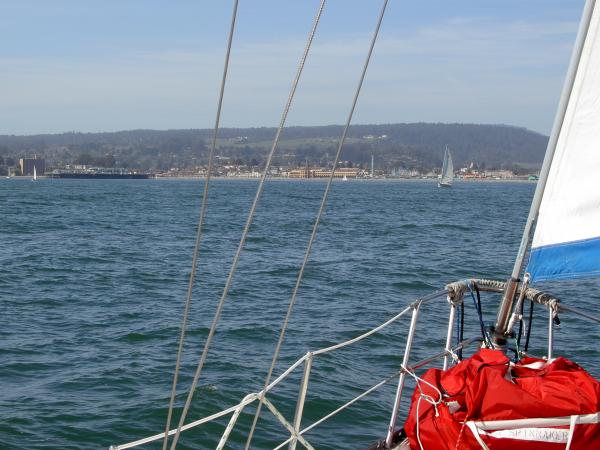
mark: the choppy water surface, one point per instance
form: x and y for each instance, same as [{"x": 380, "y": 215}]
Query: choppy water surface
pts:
[{"x": 93, "y": 277}]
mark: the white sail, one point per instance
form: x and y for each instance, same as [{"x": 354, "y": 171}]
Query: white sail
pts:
[
  {"x": 449, "y": 174},
  {"x": 447, "y": 169},
  {"x": 566, "y": 243},
  {"x": 34, "y": 174}
]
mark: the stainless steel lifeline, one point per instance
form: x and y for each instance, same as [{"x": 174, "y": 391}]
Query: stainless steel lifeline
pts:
[{"x": 454, "y": 291}]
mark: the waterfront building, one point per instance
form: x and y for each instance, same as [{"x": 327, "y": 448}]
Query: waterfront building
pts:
[
  {"x": 305, "y": 172},
  {"x": 348, "y": 172},
  {"x": 301, "y": 172},
  {"x": 27, "y": 164}
]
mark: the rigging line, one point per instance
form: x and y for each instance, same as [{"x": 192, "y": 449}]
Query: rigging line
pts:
[
  {"x": 477, "y": 303},
  {"x": 520, "y": 334},
  {"x": 316, "y": 225},
  {"x": 199, "y": 230},
  {"x": 249, "y": 220},
  {"x": 529, "y": 327},
  {"x": 460, "y": 331}
]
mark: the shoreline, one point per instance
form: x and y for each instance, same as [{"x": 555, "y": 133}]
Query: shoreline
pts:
[
  {"x": 351, "y": 180},
  {"x": 282, "y": 179}
]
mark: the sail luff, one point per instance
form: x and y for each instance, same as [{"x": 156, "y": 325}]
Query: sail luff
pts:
[
  {"x": 566, "y": 242},
  {"x": 556, "y": 129},
  {"x": 449, "y": 168},
  {"x": 444, "y": 163},
  {"x": 505, "y": 307}
]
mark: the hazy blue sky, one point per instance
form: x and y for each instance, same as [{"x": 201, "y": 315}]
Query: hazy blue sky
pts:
[{"x": 73, "y": 65}]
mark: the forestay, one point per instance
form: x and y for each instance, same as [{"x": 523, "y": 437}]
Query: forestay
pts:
[{"x": 566, "y": 243}]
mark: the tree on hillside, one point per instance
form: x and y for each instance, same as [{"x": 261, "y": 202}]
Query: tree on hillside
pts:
[
  {"x": 105, "y": 161},
  {"x": 85, "y": 159}
]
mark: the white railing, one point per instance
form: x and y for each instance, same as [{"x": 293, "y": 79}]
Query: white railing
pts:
[{"x": 454, "y": 294}]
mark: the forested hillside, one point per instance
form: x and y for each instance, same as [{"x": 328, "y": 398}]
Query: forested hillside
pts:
[{"x": 411, "y": 146}]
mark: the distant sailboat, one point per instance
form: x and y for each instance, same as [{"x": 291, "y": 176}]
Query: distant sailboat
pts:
[
  {"x": 34, "y": 174},
  {"x": 447, "y": 170}
]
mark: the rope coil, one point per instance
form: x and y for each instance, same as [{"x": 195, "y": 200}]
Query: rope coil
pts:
[{"x": 422, "y": 396}]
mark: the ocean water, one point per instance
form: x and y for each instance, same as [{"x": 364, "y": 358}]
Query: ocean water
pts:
[{"x": 93, "y": 277}]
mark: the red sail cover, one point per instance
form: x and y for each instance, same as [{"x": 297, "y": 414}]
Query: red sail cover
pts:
[{"x": 487, "y": 387}]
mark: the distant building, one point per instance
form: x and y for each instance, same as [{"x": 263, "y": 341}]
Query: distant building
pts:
[
  {"x": 302, "y": 172},
  {"x": 499, "y": 174},
  {"x": 27, "y": 164},
  {"x": 404, "y": 173},
  {"x": 341, "y": 172}
]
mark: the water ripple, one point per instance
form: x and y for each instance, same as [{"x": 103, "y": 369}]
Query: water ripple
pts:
[{"x": 94, "y": 274}]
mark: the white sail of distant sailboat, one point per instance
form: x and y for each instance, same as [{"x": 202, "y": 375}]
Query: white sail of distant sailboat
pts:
[
  {"x": 447, "y": 170},
  {"x": 566, "y": 243},
  {"x": 34, "y": 174}
]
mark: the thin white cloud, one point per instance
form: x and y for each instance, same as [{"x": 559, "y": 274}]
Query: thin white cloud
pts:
[{"x": 463, "y": 69}]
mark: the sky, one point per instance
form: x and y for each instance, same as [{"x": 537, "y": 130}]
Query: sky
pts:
[{"x": 89, "y": 66}]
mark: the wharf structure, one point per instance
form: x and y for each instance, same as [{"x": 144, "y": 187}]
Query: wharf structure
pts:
[{"x": 98, "y": 173}]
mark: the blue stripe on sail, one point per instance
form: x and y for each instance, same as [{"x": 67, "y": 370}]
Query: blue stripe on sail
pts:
[{"x": 566, "y": 260}]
